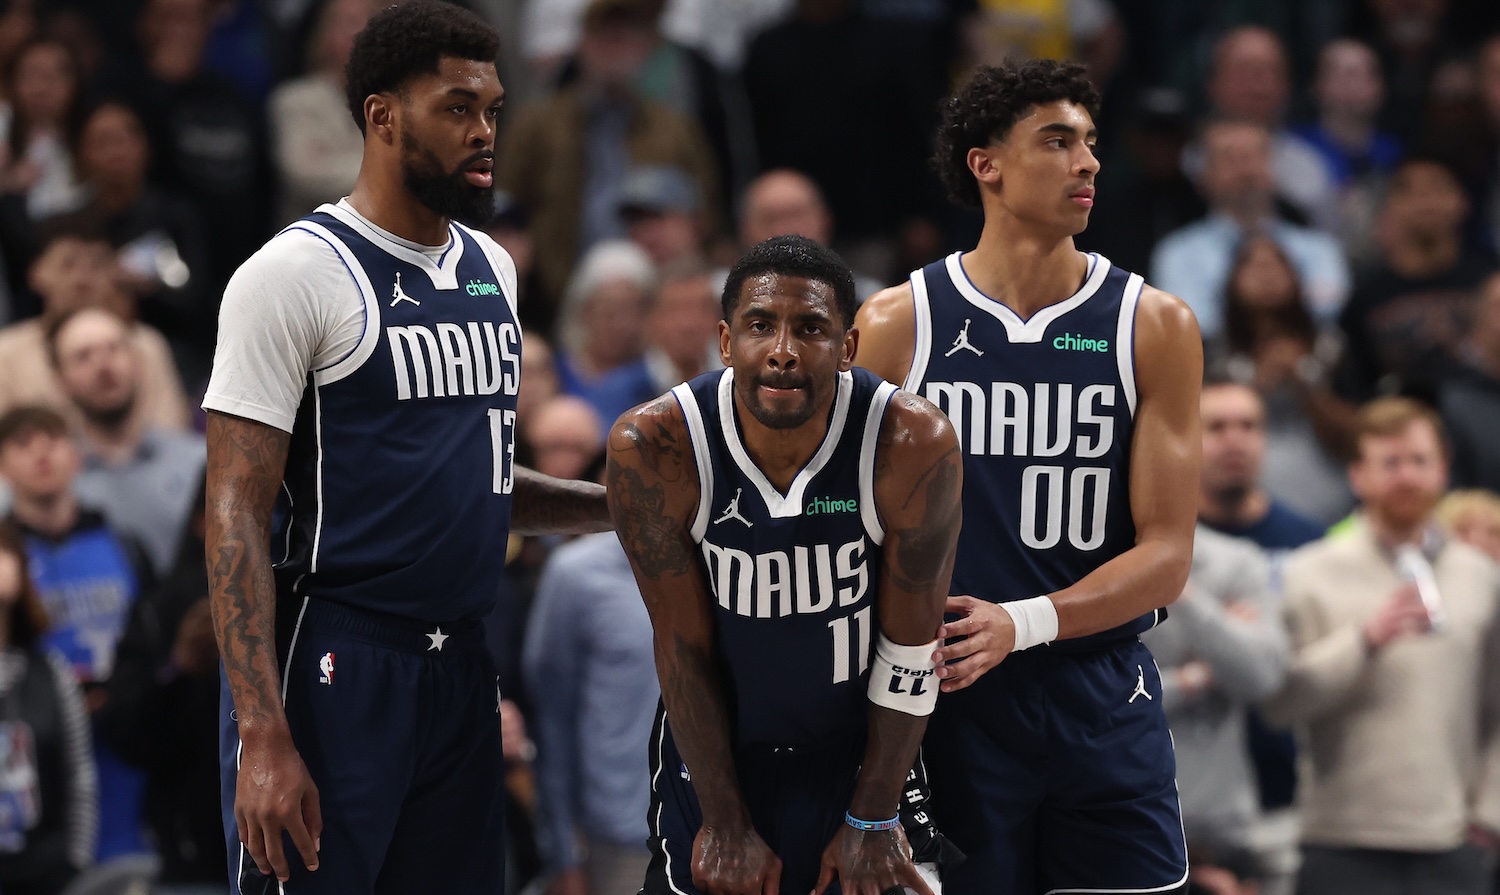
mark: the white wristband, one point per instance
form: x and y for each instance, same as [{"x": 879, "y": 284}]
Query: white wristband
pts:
[
  {"x": 1035, "y": 620},
  {"x": 903, "y": 678}
]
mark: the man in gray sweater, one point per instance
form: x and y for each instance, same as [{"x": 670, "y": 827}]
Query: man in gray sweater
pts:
[{"x": 1223, "y": 650}]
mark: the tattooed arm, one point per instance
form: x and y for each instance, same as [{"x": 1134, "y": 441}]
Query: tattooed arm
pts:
[
  {"x": 918, "y": 483},
  {"x": 653, "y": 493},
  {"x": 542, "y": 505},
  {"x": 246, "y": 461}
]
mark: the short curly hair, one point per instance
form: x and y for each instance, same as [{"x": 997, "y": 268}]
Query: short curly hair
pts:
[
  {"x": 407, "y": 41},
  {"x": 793, "y": 256},
  {"x": 990, "y": 103}
]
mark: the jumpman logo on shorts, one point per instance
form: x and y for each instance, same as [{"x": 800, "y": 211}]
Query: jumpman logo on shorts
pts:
[
  {"x": 733, "y": 511},
  {"x": 399, "y": 296},
  {"x": 962, "y": 342},
  {"x": 1140, "y": 685}
]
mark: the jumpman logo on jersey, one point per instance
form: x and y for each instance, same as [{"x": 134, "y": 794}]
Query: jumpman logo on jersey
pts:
[
  {"x": 962, "y": 342},
  {"x": 399, "y": 296},
  {"x": 1140, "y": 685},
  {"x": 733, "y": 511}
]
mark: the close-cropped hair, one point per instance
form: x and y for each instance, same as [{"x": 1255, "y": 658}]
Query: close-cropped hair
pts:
[
  {"x": 795, "y": 256},
  {"x": 991, "y": 102},
  {"x": 407, "y": 41}
]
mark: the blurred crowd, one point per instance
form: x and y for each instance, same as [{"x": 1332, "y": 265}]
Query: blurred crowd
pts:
[{"x": 1320, "y": 182}]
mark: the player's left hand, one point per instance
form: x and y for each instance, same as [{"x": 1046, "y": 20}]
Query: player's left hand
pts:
[
  {"x": 870, "y": 863},
  {"x": 989, "y": 636}
]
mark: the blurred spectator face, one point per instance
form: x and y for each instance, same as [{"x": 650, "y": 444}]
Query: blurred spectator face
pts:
[
  {"x": 1349, "y": 80},
  {"x": 1400, "y": 477},
  {"x": 1425, "y": 201},
  {"x": 1489, "y": 79},
  {"x": 17, "y": 25},
  {"x": 1234, "y": 439},
  {"x": 685, "y": 320},
  {"x": 538, "y": 376},
  {"x": 173, "y": 33},
  {"x": 618, "y": 37},
  {"x": 44, "y": 83},
  {"x": 565, "y": 437},
  {"x": 97, "y": 365},
  {"x": 1250, "y": 79},
  {"x": 1237, "y": 167},
  {"x": 113, "y": 149},
  {"x": 666, "y": 235},
  {"x": 784, "y": 203},
  {"x": 73, "y": 272},
  {"x": 1410, "y": 24},
  {"x": 39, "y": 465},
  {"x": 1479, "y": 527},
  {"x": 10, "y": 576},
  {"x": 613, "y": 321},
  {"x": 1486, "y": 325},
  {"x": 1264, "y": 279},
  {"x": 340, "y": 22}
]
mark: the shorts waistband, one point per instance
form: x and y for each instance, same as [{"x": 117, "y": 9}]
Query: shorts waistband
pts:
[{"x": 461, "y": 637}]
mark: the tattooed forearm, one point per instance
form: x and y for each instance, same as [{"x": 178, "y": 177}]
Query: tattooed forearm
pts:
[
  {"x": 542, "y": 505},
  {"x": 245, "y": 465},
  {"x": 653, "y": 540},
  {"x": 921, "y": 552}
]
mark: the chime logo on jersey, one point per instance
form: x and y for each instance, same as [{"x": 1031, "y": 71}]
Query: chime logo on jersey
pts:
[
  {"x": 479, "y": 287},
  {"x": 811, "y": 579},
  {"x": 325, "y": 668},
  {"x": 452, "y": 359}
]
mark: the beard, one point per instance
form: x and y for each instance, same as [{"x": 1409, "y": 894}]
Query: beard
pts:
[
  {"x": 781, "y": 417},
  {"x": 446, "y": 193},
  {"x": 109, "y": 417}
]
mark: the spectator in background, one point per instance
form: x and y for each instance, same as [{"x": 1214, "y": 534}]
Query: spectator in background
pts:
[
  {"x": 1472, "y": 517},
  {"x": 1404, "y": 325},
  {"x": 162, "y": 716},
  {"x": 589, "y": 663},
  {"x": 682, "y": 331},
  {"x": 1147, "y": 195},
  {"x": 1224, "y": 651},
  {"x": 540, "y": 383},
  {"x": 1194, "y": 262},
  {"x": 1412, "y": 39},
  {"x": 663, "y": 213},
  {"x": 1487, "y": 193},
  {"x": 1272, "y": 344},
  {"x": 39, "y": 132},
  {"x": 207, "y": 141},
  {"x": 78, "y": 269},
  {"x": 157, "y": 235},
  {"x": 784, "y": 202},
  {"x": 1086, "y": 31},
  {"x": 316, "y": 145},
  {"x": 1250, "y": 81},
  {"x": 141, "y": 476},
  {"x": 49, "y": 822},
  {"x": 1359, "y": 157},
  {"x": 1470, "y": 400},
  {"x": 87, "y": 577},
  {"x": 1390, "y": 703},
  {"x": 565, "y": 157},
  {"x": 564, "y": 437},
  {"x": 832, "y": 74},
  {"x": 1234, "y": 499},
  {"x": 603, "y": 314}
]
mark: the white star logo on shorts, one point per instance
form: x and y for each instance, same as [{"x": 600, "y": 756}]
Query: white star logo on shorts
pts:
[{"x": 437, "y": 637}]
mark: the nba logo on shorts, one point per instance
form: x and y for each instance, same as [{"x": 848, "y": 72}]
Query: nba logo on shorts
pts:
[{"x": 325, "y": 665}]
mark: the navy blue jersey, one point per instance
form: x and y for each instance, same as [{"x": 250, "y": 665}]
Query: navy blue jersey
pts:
[
  {"x": 398, "y": 481},
  {"x": 1044, "y": 410},
  {"x": 793, "y": 575}
]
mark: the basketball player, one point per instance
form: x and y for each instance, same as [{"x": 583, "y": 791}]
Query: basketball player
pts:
[
  {"x": 1073, "y": 388},
  {"x": 791, "y": 523},
  {"x": 366, "y": 375}
]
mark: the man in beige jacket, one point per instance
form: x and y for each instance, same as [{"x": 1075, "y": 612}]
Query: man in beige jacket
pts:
[{"x": 1386, "y": 687}]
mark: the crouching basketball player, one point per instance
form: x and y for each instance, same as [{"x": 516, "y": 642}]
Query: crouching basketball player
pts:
[{"x": 791, "y": 522}]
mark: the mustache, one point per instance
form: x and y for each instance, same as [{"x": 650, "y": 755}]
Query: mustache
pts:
[{"x": 483, "y": 155}]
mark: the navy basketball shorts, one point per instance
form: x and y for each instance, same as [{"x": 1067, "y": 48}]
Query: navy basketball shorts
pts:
[
  {"x": 398, "y": 726},
  {"x": 1054, "y": 773}
]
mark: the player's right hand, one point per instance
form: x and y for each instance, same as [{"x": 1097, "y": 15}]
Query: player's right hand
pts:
[
  {"x": 989, "y": 636},
  {"x": 734, "y": 861},
  {"x": 274, "y": 794}
]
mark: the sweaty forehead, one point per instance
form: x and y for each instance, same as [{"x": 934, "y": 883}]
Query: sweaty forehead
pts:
[
  {"x": 454, "y": 73},
  {"x": 786, "y": 294}
]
